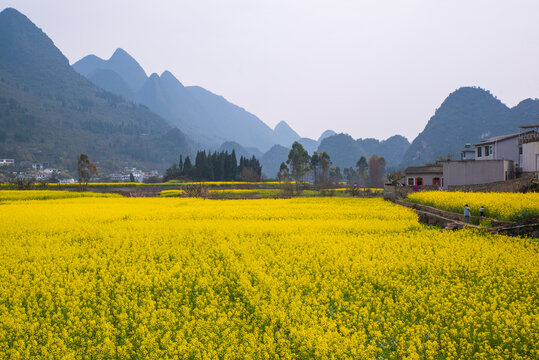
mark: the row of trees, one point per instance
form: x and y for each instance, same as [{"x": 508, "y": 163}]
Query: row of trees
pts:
[
  {"x": 367, "y": 172},
  {"x": 217, "y": 166},
  {"x": 300, "y": 165}
]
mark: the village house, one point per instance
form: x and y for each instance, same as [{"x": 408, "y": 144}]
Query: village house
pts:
[
  {"x": 499, "y": 158},
  {"x": 40, "y": 166},
  {"x": 529, "y": 148},
  {"x": 7, "y": 162},
  {"x": 503, "y": 147},
  {"x": 424, "y": 175},
  {"x": 468, "y": 153}
]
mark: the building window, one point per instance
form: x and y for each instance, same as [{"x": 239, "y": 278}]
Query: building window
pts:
[
  {"x": 436, "y": 181},
  {"x": 486, "y": 151},
  {"x": 520, "y": 150},
  {"x": 479, "y": 150},
  {"x": 410, "y": 181},
  {"x": 419, "y": 181}
]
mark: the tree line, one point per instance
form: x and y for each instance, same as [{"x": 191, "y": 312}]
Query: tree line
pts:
[
  {"x": 317, "y": 168},
  {"x": 217, "y": 166}
]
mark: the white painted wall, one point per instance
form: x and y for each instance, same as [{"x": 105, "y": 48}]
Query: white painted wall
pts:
[{"x": 530, "y": 157}]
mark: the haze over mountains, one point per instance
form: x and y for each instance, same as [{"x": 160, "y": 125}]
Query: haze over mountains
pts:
[
  {"x": 48, "y": 112},
  {"x": 208, "y": 119}
]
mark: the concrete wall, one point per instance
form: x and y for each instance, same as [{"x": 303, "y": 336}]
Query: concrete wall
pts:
[
  {"x": 476, "y": 172},
  {"x": 507, "y": 150},
  {"x": 530, "y": 157}
]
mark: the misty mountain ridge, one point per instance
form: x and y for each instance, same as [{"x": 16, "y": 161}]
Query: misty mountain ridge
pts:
[
  {"x": 345, "y": 151},
  {"x": 207, "y": 118},
  {"x": 467, "y": 115},
  {"x": 272, "y": 159},
  {"x": 284, "y": 134},
  {"x": 120, "y": 62},
  {"x": 326, "y": 134},
  {"x": 49, "y": 113}
]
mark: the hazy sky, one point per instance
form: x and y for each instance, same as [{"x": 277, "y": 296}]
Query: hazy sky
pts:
[{"x": 369, "y": 68}]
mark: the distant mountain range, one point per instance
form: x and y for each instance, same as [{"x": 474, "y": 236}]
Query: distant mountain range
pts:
[
  {"x": 344, "y": 151},
  {"x": 468, "y": 115},
  {"x": 208, "y": 119},
  {"x": 121, "y": 116},
  {"x": 48, "y": 112}
]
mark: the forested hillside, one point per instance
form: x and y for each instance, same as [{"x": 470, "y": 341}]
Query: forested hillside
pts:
[
  {"x": 468, "y": 115},
  {"x": 50, "y": 113}
]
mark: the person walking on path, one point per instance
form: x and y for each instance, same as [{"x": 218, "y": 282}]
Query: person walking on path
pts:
[{"x": 466, "y": 214}]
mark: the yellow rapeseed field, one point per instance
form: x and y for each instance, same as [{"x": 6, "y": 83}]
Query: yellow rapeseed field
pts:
[
  {"x": 268, "y": 192},
  {"x": 16, "y": 195},
  {"x": 304, "y": 278},
  {"x": 168, "y": 183},
  {"x": 504, "y": 206}
]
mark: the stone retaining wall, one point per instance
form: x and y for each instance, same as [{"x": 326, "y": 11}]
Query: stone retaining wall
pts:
[{"x": 392, "y": 192}]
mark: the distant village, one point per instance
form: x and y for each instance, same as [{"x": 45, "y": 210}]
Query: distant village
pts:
[
  {"x": 493, "y": 160},
  {"x": 27, "y": 170}
]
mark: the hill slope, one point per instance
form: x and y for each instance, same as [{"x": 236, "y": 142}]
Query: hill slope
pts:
[
  {"x": 232, "y": 122},
  {"x": 50, "y": 113},
  {"x": 284, "y": 134},
  {"x": 207, "y": 118},
  {"x": 467, "y": 115},
  {"x": 345, "y": 151},
  {"x": 272, "y": 159}
]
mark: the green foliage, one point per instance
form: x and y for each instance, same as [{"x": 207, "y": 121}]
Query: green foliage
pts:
[
  {"x": 217, "y": 166},
  {"x": 525, "y": 214},
  {"x": 284, "y": 172},
  {"x": 345, "y": 151},
  {"x": 85, "y": 169},
  {"x": 299, "y": 161}
]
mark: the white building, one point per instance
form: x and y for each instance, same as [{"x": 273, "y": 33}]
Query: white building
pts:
[
  {"x": 504, "y": 147},
  {"x": 468, "y": 153},
  {"x": 7, "y": 162},
  {"x": 529, "y": 148},
  {"x": 496, "y": 159}
]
